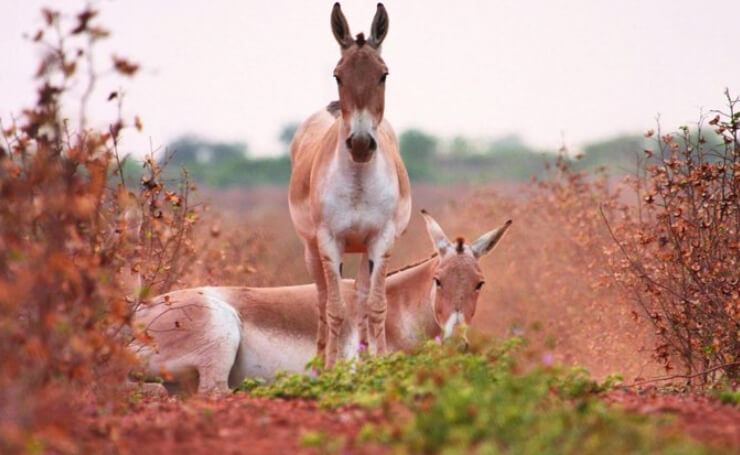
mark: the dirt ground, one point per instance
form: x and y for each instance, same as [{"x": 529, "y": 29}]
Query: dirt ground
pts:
[
  {"x": 236, "y": 424},
  {"x": 240, "y": 424},
  {"x": 703, "y": 418}
]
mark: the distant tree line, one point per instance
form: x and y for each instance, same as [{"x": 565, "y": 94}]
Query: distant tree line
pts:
[
  {"x": 428, "y": 158},
  {"x": 221, "y": 165}
]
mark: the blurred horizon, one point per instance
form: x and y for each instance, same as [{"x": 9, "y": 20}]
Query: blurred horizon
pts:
[{"x": 549, "y": 75}]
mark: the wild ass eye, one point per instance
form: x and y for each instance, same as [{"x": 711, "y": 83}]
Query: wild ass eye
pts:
[
  {"x": 479, "y": 285},
  {"x": 437, "y": 282},
  {"x": 339, "y": 81},
  {"x": 382, "y": 78}
]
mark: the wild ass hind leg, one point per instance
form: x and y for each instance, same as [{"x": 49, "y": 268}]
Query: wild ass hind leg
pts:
[
  {"x": 214, "y": 380},
  {"x": 215, "y": 364},
  {"x": 331, "y": 257},
  {"x": 316, "y": 270},
  {"x": 377, "y": 307},
  {"x": 362, "y": 289}
]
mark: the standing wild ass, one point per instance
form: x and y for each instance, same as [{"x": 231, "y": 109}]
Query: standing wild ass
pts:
[
  {"x": 224, "y": 334},
  {"x": 349, "y": 190}
]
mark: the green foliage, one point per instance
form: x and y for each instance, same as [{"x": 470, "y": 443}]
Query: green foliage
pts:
[
  {"x": 222, "y": 165},
  {"x": 190, "y": 149},
  {"x": 480, "y": 401},
  {"x": 427, "y": 159},
  {"x": 728, "y": 396},
  {"x": 418, "y": 151},
  {"x": 322, "y": 442},
  {"x": 366, "y": 383},
  {"x": 287, "y": 133},
  {"x": 462, "y": 160},
  {"x": 618, "y": 154},
  {"x": 511, "y": 159}
]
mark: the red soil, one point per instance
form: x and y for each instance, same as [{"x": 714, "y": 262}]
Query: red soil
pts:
[
  {"x": 705, "y": 419},
  {"x": 236, "y": 424},
  {"x": 240, "y": 424}
]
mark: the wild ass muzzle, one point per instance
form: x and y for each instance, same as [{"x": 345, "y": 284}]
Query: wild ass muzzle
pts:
[
  {"x": 222, "y": 335},
  {"x": 349, "y": 190}
]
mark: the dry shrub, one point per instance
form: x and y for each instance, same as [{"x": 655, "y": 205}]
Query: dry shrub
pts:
[
  {"x": 66, "y": 232},
  {"x": 549, "y": 278},
  {"x": 246, "y": 238},
  {"x": 164, "y": 237},
  {"x": 677, "y": 250}
]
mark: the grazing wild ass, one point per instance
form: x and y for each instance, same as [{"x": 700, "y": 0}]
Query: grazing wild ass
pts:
[
  {"x": 225, "y": 334},
  {"x": 349, "y": 190}
]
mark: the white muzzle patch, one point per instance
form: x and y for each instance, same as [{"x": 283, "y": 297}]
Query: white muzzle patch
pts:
[
  {"x": 362, "y": 123},
  {"x": 455, "y": 319}
]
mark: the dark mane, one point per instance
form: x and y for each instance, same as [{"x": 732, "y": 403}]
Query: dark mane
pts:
[
  {"x": 410, "y": 266},
  {"x": 360, "y": 40},
  {"x": 460, "y": 247},
  {"x": 333, "y": 108}
]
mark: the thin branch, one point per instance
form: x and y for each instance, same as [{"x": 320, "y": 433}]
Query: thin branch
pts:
[
  {"x": 634, "y": 265},
  {"x": 119, "y": 164},
  {"x": 682, "y": 376}
]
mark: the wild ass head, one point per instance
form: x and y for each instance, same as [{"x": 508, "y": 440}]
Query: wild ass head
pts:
[
  {"x": 360, "y": 76},
  {"x": 458, "y": 279}
]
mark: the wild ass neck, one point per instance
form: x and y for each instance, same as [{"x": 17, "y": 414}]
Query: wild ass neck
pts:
[{"x": 410, "y": 294}]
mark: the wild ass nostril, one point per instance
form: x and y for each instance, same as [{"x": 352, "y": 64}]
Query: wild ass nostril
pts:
[{"x": 362, "y": 146}]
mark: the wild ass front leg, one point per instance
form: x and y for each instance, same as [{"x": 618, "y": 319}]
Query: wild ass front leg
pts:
[
  {"x": 316, "y": 270},
  {"x": 331, "y": 259},
  {"x": 362, "y": 290},
  {"x": 378, "y": 256}
]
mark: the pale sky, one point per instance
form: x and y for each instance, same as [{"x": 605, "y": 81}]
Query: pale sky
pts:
[{"x": 239, "y": 70}]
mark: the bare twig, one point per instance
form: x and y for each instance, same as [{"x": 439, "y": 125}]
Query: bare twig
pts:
[{"x": 682, "y": 376}]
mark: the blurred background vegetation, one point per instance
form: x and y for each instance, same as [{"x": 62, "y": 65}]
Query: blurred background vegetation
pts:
[{"x": 428, "y": 158}]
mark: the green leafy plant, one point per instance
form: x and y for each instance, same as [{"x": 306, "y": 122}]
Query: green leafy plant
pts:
[
  {"x": 728, "y": 396},
  {"x": 479, "y": 401}
]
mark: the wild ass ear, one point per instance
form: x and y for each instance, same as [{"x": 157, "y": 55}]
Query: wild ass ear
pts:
[
  {"x": 439, "y": 239},
  {"x": 379, "y": 28},
  {"x": 339, "y": 27},
  {"x": 487, "y": 241}
]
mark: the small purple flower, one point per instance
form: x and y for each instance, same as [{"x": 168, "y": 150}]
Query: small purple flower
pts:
[
  {"x": 312, "y": 373},
  {"x": 361, "y": 347},
  {"x": 438, "y": 340},
  {"x": 517, "y": 332},
  {"x": 547, "y": 359}
]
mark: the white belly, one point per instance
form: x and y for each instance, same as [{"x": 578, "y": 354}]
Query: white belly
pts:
[{"x": 266, "y": 352}]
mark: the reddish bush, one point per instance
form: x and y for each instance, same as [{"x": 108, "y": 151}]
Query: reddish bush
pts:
[
  {"x": 67, "y": 230},
  {"x": 679, "y": 246}
]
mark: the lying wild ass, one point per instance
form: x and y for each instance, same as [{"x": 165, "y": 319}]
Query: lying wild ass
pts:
[
  {"x": 225, "y": 334},
  {"x": 349, "y": 190}
]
